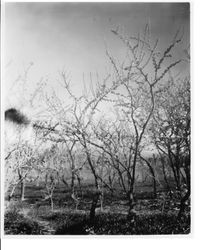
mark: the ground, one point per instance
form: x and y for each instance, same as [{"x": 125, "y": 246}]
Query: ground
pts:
[{"x": 152, "y": 215}]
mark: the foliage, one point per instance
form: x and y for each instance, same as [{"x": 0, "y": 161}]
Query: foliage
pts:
[
  {"x": 118, "y": 224},
  {"x": 15, "y": 223}
]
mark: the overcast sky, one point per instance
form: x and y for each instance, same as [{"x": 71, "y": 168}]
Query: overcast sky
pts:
[{"x": 74, "y": 35}]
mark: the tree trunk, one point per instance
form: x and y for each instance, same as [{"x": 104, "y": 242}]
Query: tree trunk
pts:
[
  {"x": 173, "y": 169},
  {"x": 22, "y": 190},
  {"x": 154, "y": 187},
  {"x": 185, "y": 198},
  {"x": 51, "y": 199},
  {"x": 183, "y": 204},
  {"x": 131, "y": 201},
  {"x": 165, "y": 176},
  {"x": 151, "y": 169},
  {"x": 79, "y": 185},
  {"x": 94, "y": 206},
  {"x": 72, "y": 186},
  {"x": 12, "y": 193}
]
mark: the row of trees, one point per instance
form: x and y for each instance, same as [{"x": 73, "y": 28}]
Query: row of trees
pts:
[{"x": 149, "y": 110}]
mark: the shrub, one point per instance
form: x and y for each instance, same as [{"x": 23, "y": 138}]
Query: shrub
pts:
[
  {"x": 15, "y": 223},
  {"x": 118, "y": 224},
  {"x": 73, "y": 224}
]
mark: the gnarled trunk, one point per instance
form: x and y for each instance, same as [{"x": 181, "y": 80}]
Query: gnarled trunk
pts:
[{"x": 96, "y": 198}]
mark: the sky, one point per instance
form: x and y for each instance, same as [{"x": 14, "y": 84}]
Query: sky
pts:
[{"x": 74, "y": 36}]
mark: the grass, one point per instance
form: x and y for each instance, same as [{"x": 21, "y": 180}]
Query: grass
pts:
[
  {"x": 15, "y": 224},
  {"x": 25, "y": 218},
  {"x": 118, "y": 224}
]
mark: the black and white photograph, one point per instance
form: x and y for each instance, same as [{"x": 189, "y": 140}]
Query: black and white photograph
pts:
[{"x": 96, "y": 119}]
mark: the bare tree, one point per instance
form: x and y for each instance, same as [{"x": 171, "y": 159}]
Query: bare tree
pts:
[
  {"x": 18, "y": 167},
  {"x": 171, "y": 134},
  {"x": 132, "y": 90},
  {"x": 145, "y": 69}
]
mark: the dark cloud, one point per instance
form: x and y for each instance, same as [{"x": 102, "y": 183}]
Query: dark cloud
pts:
[{"x": 15, "y": 116}]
